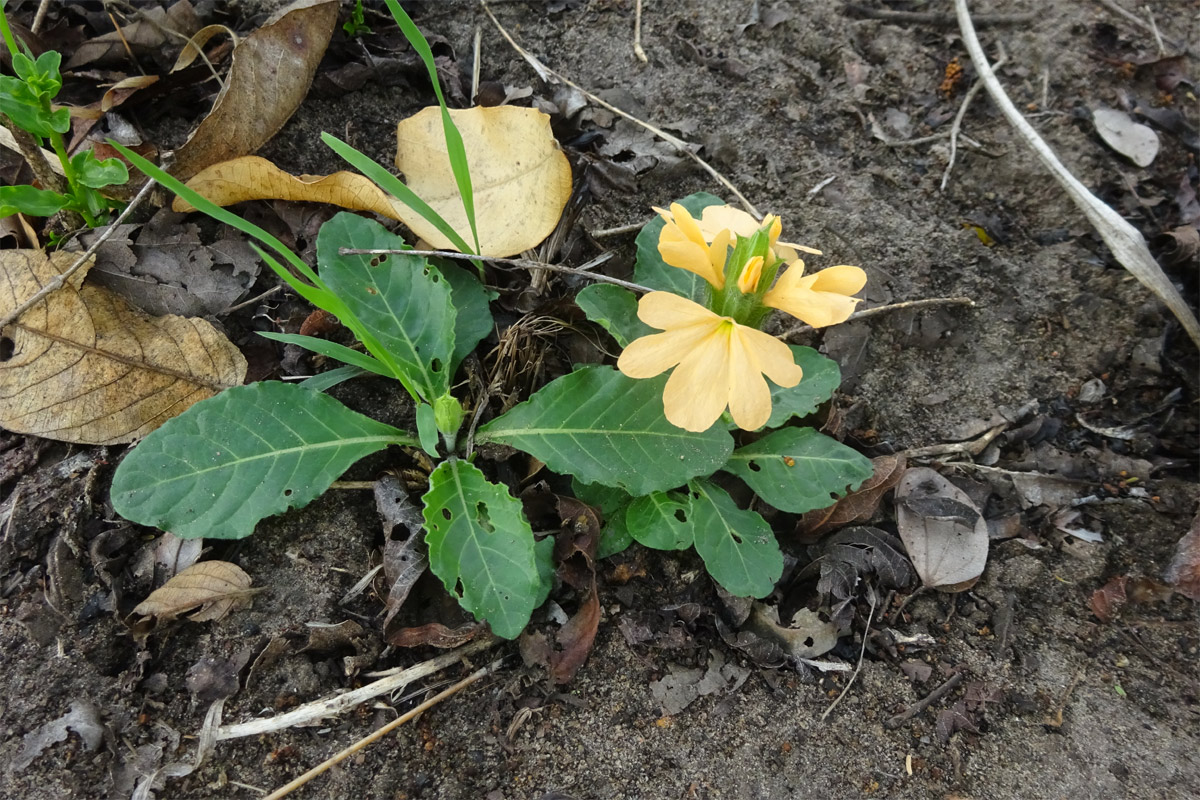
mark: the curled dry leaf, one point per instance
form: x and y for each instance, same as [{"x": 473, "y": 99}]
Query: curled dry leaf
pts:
[
  {"x": 87, "y": 367},
  {"x": 254, "y": 178},
  {"x": 521, "y": 178},
  {"x": 858, "y": 506},
  {"x": 1184, "y": 571},
  {"x": 944, "y": 533},
  {"x": 215, "y": 587},
  {"x": 269, "y": 77}
]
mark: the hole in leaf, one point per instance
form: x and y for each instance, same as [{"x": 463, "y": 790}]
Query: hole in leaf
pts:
[
  {"x": 435, "y": 365},
  {"x": 287, "y": 492},
  {"x": 754, "y": 466},
  {"x": 446, "y": 513},
  {"x": 808, "y": 641},
  {"x": 374, "y": 262},
  {"x": 680, "y": 515},
  {"x": 7, "y": 348},
  {"x": 458, "y": 589},
  {"x": 481, "y": 516}
]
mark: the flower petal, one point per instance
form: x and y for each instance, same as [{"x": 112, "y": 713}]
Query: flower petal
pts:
[
  {"x": 718, "y": 251},
  {"x": 697, "y": 391},
  {"x": 691, "y": 257},
  {"x": 714, "y": 219},
  {"x": 841, "y": 279},
  {"x": 655, "y": 354},
  {"x": 748, "y": 280},
  {"x": 665, "y": 311},
  {"x": 772, "y": 357},
  {"x": 687, "y": 225},
  {"x": 749, "y": 396}
]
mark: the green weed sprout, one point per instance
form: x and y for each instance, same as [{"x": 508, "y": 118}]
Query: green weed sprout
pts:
[
  {"x": 630, "y": 447},
  {"x": 25, "y": 100}
]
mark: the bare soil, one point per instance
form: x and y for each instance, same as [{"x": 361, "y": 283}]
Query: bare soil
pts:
[{"x": 794, "y": 110}]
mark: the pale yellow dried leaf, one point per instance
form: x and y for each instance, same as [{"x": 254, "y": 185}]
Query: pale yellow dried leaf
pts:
[
  {"x": 215, "y": 587},
  {"x": 254, "y": 178},
  {"x": 268, "y": 78},
  {"x": 84, "y": 366},
  {"x": 521, "y": 178}
]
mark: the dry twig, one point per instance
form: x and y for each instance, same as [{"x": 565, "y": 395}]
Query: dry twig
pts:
[
  {"x": 862, "y": 651},
  {"x": 384, "y": 731},
  {"x": 584, "y": 271},
  {"x": 907, "y": 305},
  {"x": 924, "y": 703},
  {"x": 1125, "y": 241},
  {"x": 958, "y": 119},
  {"x": 58, "y": 281},
  {"x": 637, "y": 34}
]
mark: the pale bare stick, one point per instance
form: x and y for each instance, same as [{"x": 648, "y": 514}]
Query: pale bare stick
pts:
[
  {"x": 384, "y": 731},
  {"x": 870, "y": 312},
  {"x": 620, "y": 229},
  {"x": 314, "y": 712},
  {"x": 58, "y": 281},
  {"x": 1127, "y": 244},
  {"x": 637, "y": 34},
  {"x": 680, "y": 145},
  {"x": 1112, "y": 6},
  {"x": 861, "y": 652},
  {"x": 972, "y": 447},
  {"x": 515, "y": 262},
  {"x": 958, "y": 119},
  {"x": 926, "y": 702}
]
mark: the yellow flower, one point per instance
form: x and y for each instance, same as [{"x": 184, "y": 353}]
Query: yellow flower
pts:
[
  {"x": 819, "y": 299},
  {"x": 718, "y": 363},
  {"x": 717, "y": 218},
  {"x": 681, "y": 244}
]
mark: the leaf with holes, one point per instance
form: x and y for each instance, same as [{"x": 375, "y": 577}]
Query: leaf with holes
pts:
[
  {"x": 403, "y": 300},
  {"x": 603, "y": 427},
  {"x": 821, "y": 377},
  {"x": 650, "y": 270},
  {"x": 798, "y": 469},
  {"x": 615, "y": 310},
  {"x": 738, "y": 547},
  {"x": 661, "y": 520},
  {"x": 482, "y": 548},
  {"x": 250, "y": 452}
]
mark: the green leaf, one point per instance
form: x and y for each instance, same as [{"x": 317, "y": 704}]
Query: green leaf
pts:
[
  {"x": 250, "y": 452},
  {"x": 330, "y": 350},
  {"x": 31, "y": 201},
  {"x": 96, "y": 174},
  {"x": 394, "y": 186},
  {"x": 615, "y": 310},
  {"x": 481, "y": 547},
  {"x": 821, "y": 377},
  {"x": 326, "y": 380},
  {"x": 403, "y": 300},
  {"x": 603, "y": 427},
  {"x": 799, "y": 469},
  {"x": 473, "y": 321},
  {"x": 650, "y": 270},
  {"x": 738, "y": 547},
  {"x": 615, "y": 536},
  {"x": 427, "y": 431},
  {"x": 606, "y": 498},
  {"x": 661, "y": 520},
  {"x": 455, "y": 148},
  {"x": 23, "y": 106}
]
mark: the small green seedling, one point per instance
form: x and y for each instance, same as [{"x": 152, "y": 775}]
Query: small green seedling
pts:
[
  {"x": 25, "y": 100},
  {"x": 628, "y": 438},
  {"x": 356, "y": 25}
]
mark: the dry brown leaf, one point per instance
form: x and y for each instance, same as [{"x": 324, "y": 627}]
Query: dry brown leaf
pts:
[
  {"x": 215, "y": 587},
  {"x": 943, "y": 531},
  {"x": 858, "y": 506},
  {"x": 1184, "y": 571},
  {"x": 521, "y": 178},
  {"x": 84, "y": 366},
  {"x": 269, "y": 77},
  {"x": 255, "y": 178}
]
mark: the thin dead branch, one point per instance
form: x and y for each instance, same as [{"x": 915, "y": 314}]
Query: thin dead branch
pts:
[
  {"x": 956, "y": 126},
  {"x": 907, "y": 305},
  {"x": 924, "y": 703},
  {"x": 1125, "y": 241}
]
